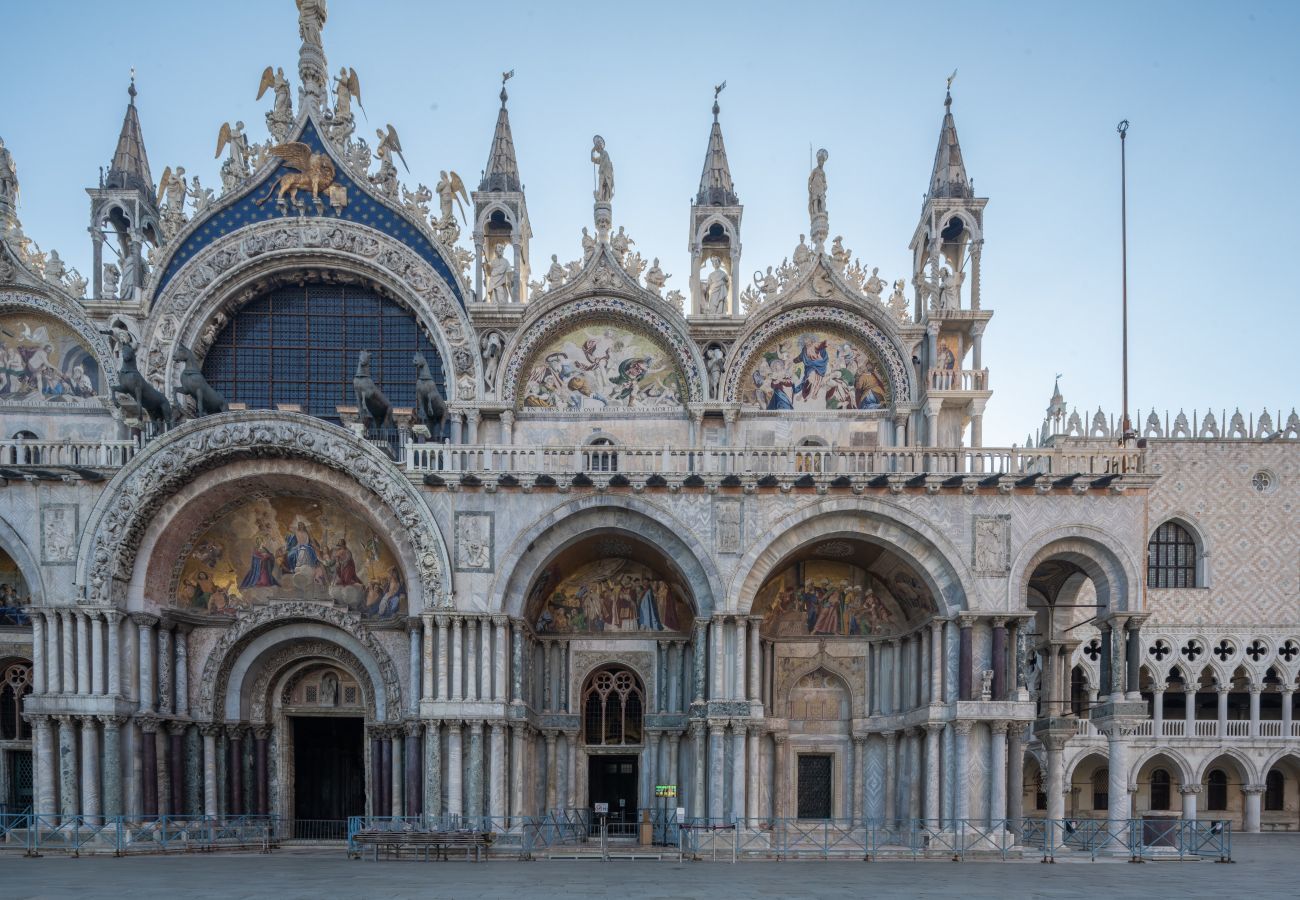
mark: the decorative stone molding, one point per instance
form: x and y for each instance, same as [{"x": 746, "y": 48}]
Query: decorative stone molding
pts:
[
  {"x": 233, "y": 269},
  {"x": 306, "y": 651},
  {"x": 119, "y": 519},
  {"x": 223, "y": 655}
]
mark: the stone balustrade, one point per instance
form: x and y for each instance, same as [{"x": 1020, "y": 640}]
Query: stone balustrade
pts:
[
  {"x": 959, "y": 379},
  {"x": 87, "y": 454}
]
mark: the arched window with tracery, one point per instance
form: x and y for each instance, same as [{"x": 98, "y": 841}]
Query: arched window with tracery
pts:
[
  {"x": 15, "y": 684},
  {"x": 1171, "y": 557},
  {"x": 613, "y": 707},
  {"x": 1160, "y": 789},
  {"x": 298, "y": 344}
]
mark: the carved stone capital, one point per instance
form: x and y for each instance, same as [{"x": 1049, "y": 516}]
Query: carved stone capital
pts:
[
  {"x": 210, "y": 729},
  {"x": 143, "y": 620},
  {"x": 1189, "y": 789},
  {"x": 148, "y": 724},
  {"x": 262, "y": 731},
  {"x": 178, "y": 727}
]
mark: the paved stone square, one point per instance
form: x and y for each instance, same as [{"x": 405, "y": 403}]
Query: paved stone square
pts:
[{"x": 1266, "y": 862}]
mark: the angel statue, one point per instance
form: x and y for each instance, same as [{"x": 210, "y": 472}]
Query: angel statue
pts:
[
  {"x": 346, "y": 88},
  {"x": 449, "y": 188},
  {"x": 604, "y": 192},
  {"x": 173, "y": 189},
  {"x": 386, "y": 178},
  {"x": 280, "y": 119},
  {"x": 201, "y": 196},
  {"x": 768, "y": 284},
  {"x": 236, "y": 167}
]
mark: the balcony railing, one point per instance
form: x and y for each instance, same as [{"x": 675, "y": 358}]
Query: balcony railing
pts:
[
  {"x": 1201, "y": 728},
  {"x": 959, "y": 379},
  {"x": 86, "y": 454}
]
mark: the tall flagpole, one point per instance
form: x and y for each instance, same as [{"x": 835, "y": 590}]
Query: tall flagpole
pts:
[{"x": 1126, "y": 428}]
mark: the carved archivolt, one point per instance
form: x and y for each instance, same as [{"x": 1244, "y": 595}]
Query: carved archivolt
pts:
[
  {"x": 126, "y": 506},
  {"x": 790, "y": 670},
  {"x": 273, "y": 666},
  {"x": 222, "y": 658},
  {"x": 214, "y": 282}
]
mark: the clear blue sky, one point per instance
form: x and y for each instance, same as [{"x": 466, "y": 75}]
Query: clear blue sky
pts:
[{"x": 1210, "y": 90}]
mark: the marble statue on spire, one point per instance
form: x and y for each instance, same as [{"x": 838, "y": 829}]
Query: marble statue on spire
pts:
[
  {"x": 604, "y": 170},
  {"x": 820, "y": 223},
  {"x": 8, "y": 177},
  {"x": 311, "y": 55},
  {"x": 311, "y": 19}
]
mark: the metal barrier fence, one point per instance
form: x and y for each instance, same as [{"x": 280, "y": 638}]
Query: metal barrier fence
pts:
[
  {"x": 120, "y": 835},
  {"x": 521, "y": 835},
  {"x": 1139, "y": 839}
]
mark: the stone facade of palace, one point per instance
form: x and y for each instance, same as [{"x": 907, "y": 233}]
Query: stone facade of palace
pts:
[{"x": 742, "y": 538}]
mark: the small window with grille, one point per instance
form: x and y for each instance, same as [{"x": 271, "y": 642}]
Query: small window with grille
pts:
[{"x": 1171, "y": 558}]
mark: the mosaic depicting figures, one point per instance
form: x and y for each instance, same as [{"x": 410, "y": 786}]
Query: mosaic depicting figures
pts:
[
  {"x": 42, "y": 359},
  {"x": 602, "y": 367},
  {"x": 610, "y": 595},
  {"x": 820, "y": 597},
  {"x": 814, "y": 370},
  {"x": 14, "y": 594},
  {"x": 290, "y": 548}
]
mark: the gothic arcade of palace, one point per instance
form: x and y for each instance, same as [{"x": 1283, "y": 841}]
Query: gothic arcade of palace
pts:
[{"x": 740, "y": 538}]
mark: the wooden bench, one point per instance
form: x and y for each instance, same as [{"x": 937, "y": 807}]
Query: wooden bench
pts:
[{"x": 475, "y": 843}]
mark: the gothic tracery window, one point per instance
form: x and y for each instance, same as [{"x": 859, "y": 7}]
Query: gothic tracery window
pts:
[
  {"x": 15, "y": 684},
  {"x": 613, "y": 706},
  {"x": 1171, "y": 558}
]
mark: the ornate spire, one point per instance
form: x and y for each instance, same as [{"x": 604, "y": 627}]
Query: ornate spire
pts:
[
  {"x": 716, "y": 188},
  {"x": 130, "y": 167},
  {"x": 502, "y": 170},
  {"x": 949, "y": 176}
]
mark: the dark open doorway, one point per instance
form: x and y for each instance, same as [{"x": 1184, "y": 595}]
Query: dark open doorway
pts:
[
  {"x": 329, "y": 775},
  {"x": 613, "y": 780}
]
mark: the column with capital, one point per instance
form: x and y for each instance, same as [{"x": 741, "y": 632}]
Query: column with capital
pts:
[
  {"x": 415, "y": 656},
  {"x": 1250, "y": 807},
  {"x": 1189, "y": 792},
  {"x": 517, "y": 670},
  {"x": 90, "y": 777},
  {"x": 176, "y": 766},
  {"x": 1055, "y": 745},
  {"x": 1287, "y": 690},
  {"x": 697, "y": 775},
  {"x": 386, "y": 770},
  {"x": 891, "y": 777},
  {"x": 500, "y": 627},
  {"x": 209, "y": 731},
  {"x": 97, "y": 660},
  {"x": 933, "y": 730},
  {"x": 1222, "y": 725},
  {"x": 507, "y": 427},
  {"x": 485, "y": 662},
  {"x": 752, "y": 811},
  {"x": 145, "y": 624},
  {"x": 717, "y": 768},
  {"x": 936, "y": 661},
  {"x": 411, "y": 760},
  {"x": 426, "y": 658},
  {"x": 165, "y": 669},
  {"x": 83, "y": 653},
  {"x": 44, "y": 760},
  {"x": 1189, "y": 707},
  {"x": 699, "y": 658},
  {"x": 1015, "y": 776},
  {"x": 781, "y": 774},
  {"x": 433, "y": 767},
  {"x": 755, "y": 660},
  {"x": 738, "y": 782},
  {"x": 455, "y": 769},
  {"x": 234, "y": 768},
  {"x": 717, "y": 658},
  {"x": 181, "y": 644},
  {"x": 40, "y": 663},
  {"x": 571, "y": 795},
  {"x": 148, "y": 765},
  {"x": 997, "y": 773},
  {"x": 444, "y": 653},
  {"x": 69, "y": 788},
  {"x": 474, "y": 783},
  {"x": 517, "y": 765},
  {"x": 457, "y": 657},
  {"x": 1157, "y": 709},
  {"x": 738, "y": 688},
  {"x": 1255, "y": 691},
  {"x": 111, "y": 784},
  {"x": 68, "y": 632},
  {"x": 261, "y": 769},
  {"x": 961, "y": 730},
  {"x": 53, "y": 653},
  {"x": 472, "y": 663},
  {"x": 965, "y": 662},
  {"x": 497, "y": 770},
  {"x": 914, "y": 808},
  {"x": 552, "y": 770},
  {"x": 1118, "y": 805},
  {"x": 113, "y": 625}
]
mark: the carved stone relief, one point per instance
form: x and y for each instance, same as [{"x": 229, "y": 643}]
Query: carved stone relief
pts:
[
  {"x": 991, "y": 543},
  {"x": 475, "y": 536}
]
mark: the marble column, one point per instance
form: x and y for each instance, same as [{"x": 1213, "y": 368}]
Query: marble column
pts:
[
  {"x": 433, "y": 767},
  {"x": 859, "y": 763},
  {"x": 1287, "y": 690},
  {"x": 717, "y": 767},
  {"x": 552, "y": 772},
  {"x": 1189, "y": 709},
  {"x": 69, "y": 667},
  {"x": 752, "y": 811},
  {"x": 517, "y": 668},
  {"x": 1189, "y": 792},
  {"x": 69, "y": 788},
  {"x": 426, "y": 658},
  {"x": 474, "y": 783},
  {"x": 111, "y": 789},
  {"x": 182, "y": 648},
  {"x": 165, "y": 669},
  {"x": 40, "y": 664},
  {"x": 1255, "y": 691},
  {"x": 1117, "y": 805},
  {"x": 1055, "y": 745},
  {"x": 385, "y": 772},
  {"x": 697, "y": 776},
  {"x": 896, "y": 675},
  {"x": 145, "y": 624},
  {"x": 472, "y": 664},
  {"x": 717, "y": 659},
  {"x": 999, "y": 660},
  {"x": 443, "y": 657},
  {"x": 755, "y": 660},
  {"x": 415, "y": 655},
  {"x": 891, "y": 777},
  {"x": 485, "y": 662},
  {"x": 234, "y": 768},
  {"x": 965, "y": 659},
  {"x": 113, "y": 625},
  {"x": 781, "y": 778},
  {"x": 455, "y": 770},
  {"x": 411, "y": 760},
  {"x": 457, "y": 660},
  {"x": 1157, "y": 711},
  {"x": 961, "y": 730},
  {"x": 44, "y": 761},
  {"x": 997, "y": 772},
  {"x": 571, "y": 794},
  {"x": 738, "y": 781},
  {"x": 517, "y": 760},
  {"x": 933, "y": 731},
  {"x": 738, "y": 688},
  {"x": 914, "y": 810},
  {"x": 499, "y": 658},
  {"x": 261, "y": 769},
  {"x": 1222, "y": 725},
  {"x": 699, "y": 659},
  {"x": 675, "y": 676},
  {"x": 497, "y": 769},
  {"x": 53, "y": 654},
  {"x": 83, "y": 653},
  {"x": 176, "y": 766},
  {"x": 1015, "y": 776},
  {"x": 548, "y": 673},
  {"x": 209, "y": 732},
  {"x": 90, "y": 775}
]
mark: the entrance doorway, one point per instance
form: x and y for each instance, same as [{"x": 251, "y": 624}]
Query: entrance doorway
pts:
[
  {"x": 329, "y": 775},
  {"x": 613, "y": 780}
]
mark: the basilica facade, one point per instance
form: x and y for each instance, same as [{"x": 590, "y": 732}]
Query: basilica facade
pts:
[{"x": 321, "y": 497}]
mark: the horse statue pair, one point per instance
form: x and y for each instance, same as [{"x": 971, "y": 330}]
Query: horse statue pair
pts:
[
  {"x": 373, "y": 406},
  {"x": 152, "y": 402}
]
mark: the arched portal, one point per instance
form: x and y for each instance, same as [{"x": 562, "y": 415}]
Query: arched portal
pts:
[{"x": 613, "y": 737}]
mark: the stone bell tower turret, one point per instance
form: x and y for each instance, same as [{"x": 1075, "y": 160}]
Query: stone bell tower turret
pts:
[
  {"x": 715, "y": 227},
  {"x": 500, "y": 210}
]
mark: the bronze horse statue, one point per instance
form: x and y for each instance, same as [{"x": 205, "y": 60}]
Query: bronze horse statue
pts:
[
  {"x": 149, "y": 399},
  {"x": 430, "y": 406},
  {"x": 372, "y": 405},
  {"x": 206, "y": 400}
]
